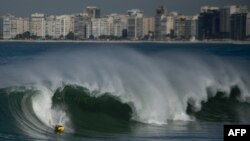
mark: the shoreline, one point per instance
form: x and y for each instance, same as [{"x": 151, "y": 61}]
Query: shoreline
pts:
[{"x": 127, "y": 41}]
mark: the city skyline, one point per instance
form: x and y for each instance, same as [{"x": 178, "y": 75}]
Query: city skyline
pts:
[
  {"x": 58, "y": 7},
  {"x": 212, "y": 22}
]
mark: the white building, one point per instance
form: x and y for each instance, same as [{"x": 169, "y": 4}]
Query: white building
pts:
[
  {"x": 82, "y": 26},
  {"x": 100, "y": 27},
  {"x": 111, "y": 25},
  {"x": 117, "y": 24},
  {"x": 7, "y": 27},
  {"x": 170, "y": 24},
  {"x": 148, "y": 25},
  {"x": 135, "y": 24},
  {"x": 50, "y": 27},
  {"x": 120, "y": 27},
  {"x": 23, "y": 25},
  {"x": 37, "y": 25},
  {"x": 12, "y": 26},
  {"x": 68, "y": 24},
  {"x": 64, "y": 25},
  {"x": 96, "y": 27},
  {"x": 194, "y": 27},
  {"x": 164, "y": 24}
]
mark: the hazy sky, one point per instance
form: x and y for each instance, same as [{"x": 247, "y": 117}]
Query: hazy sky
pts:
[{"x": 26, "y": 7}]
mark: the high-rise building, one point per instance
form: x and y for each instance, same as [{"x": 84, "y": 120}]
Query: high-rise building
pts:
[
  {"x": 23, "y": 25},
  {"x": 82, "y": 26},
  {"x": 185, "y": 27},
  {"x": 100, "y": 26},
  {"x": 238, "y": 26},
  {"x": 188, "y": 28},
  {"x": 88, "y": 29},
  {"x": 7, "y": 27},
  {"x": 59, "y": 27},
  {"x": 148, "y": 25},
  {"x": 180, "y": 30},
  {"x": 50, "y": 27},
  {"x": 191, "y": 27},
  {"x": 163, "y": 28},
  {"x": 1, "y": 28},
  {"x": 135, "y": 24},
  {"x": 93, "y": 12},
  {"x": 12, "y": 26},
  {"x": 96, "y": 25},
  {"x": 120, "y": 28},
  {"x": 248, "y": 25},
  {"x": 79, "y": 26},
  {"x": 68, "y": 24},
  {"x": 194, "y": 27},
  {"x": 37, "y": 25},
  {"x": 170, "y": 25},
  {"x": 238, "y": 22},
  {"x": 110, "y": 23},
  {"x": 225, "y": 14},
  {"x": 240, "y": 9},
  {"x": 64, "y": 25},
  {"x": 160, "y": 22},
  {"x": 206, "y": 9},
  {"x": 117, "y": 24},
  {"x": 209, "y": 23}
]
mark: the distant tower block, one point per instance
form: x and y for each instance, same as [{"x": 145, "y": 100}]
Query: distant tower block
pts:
[
  {"x": 165, "y": 8},
  {"x": 93, "y": 12}
]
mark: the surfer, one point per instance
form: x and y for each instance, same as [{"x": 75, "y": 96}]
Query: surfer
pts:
[{"x": 59, "y": 128}]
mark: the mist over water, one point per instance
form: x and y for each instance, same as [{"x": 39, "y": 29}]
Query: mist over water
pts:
[{"x": 150, "y": 88}]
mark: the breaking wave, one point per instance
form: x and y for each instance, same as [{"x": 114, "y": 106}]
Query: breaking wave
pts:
[{"x": 107, "y": 90}]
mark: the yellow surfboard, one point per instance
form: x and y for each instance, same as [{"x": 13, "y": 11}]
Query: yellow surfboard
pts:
[{"x": 59, "y": 128}]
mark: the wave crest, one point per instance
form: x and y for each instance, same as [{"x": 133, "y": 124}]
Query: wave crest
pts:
[{"x": 131, "y": 85}]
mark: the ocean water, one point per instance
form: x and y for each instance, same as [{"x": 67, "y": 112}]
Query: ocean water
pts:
[{"x": 133, "y": 91}]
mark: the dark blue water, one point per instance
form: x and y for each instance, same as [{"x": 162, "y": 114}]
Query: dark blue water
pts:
[{"x": 133, "y": 91}]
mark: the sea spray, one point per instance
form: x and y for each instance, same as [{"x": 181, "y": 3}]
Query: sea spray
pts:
[{"x": 157, "y": 86}]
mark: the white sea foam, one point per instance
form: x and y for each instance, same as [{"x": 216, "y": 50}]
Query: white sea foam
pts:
[{"x": 158, "y": 86}]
